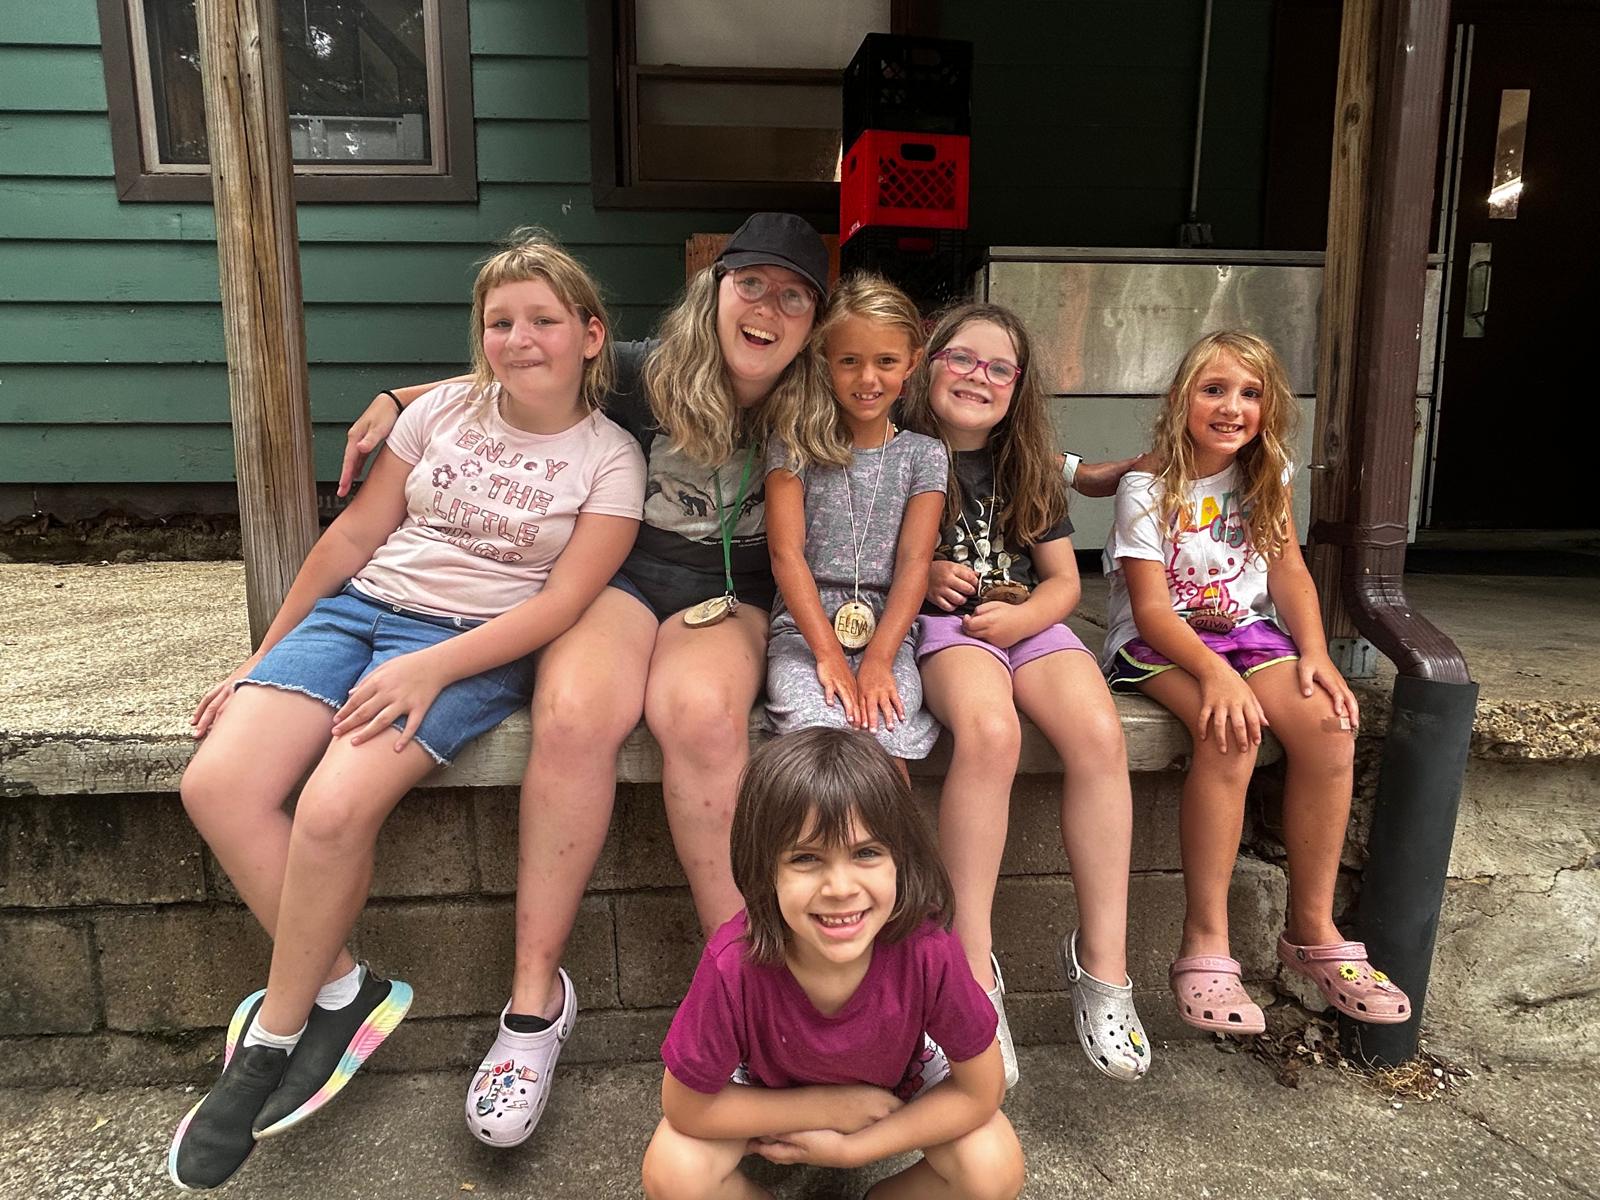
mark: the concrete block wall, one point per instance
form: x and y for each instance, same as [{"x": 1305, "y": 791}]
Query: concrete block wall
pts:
[{"x": 123, "y": 944}]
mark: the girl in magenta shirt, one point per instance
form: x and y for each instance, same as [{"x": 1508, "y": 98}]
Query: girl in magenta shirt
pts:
[{"x": 805, "y": 1034}]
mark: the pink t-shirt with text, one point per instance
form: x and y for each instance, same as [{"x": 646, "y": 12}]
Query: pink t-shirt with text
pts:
[
  {"x": 738, "y": 1013},
  {"x": 490, "y": 507}
]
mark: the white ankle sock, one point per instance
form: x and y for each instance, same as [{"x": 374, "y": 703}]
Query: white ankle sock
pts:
[
  {"x": 257, "y": 1036},
  {"x": 342, "y": 990}
]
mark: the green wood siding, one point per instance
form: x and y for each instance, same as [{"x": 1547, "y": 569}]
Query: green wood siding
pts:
[{"x": 111, "y": 358}]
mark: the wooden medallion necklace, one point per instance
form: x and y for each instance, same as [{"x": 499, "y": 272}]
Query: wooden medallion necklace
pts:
[
  {"x": 853, "y": 622},
  {"x": 718, "y": 608}
]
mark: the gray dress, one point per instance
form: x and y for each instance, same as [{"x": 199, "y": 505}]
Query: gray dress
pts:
[{"x": 911, "y": 463}]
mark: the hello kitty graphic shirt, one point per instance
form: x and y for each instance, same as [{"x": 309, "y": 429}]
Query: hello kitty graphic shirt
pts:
[
  {"x": 490, "y": 507},
  {"x": 1210, "y": 565}
]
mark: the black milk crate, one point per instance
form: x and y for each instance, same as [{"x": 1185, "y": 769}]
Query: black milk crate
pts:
[
  {"x": 909, "y": 84},
  {"x": 930, "y": 265}
]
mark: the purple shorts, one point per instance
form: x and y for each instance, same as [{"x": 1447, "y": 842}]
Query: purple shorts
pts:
[
  {"x": 940, "y": 633},
  {"x": 1247, "y": 649}
]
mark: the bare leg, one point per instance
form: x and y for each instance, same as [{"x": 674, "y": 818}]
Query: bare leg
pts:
[
  {"x": 1316, "y": 797},
  {"x": 986, "y": 1164},
  {"x": 235, "y": 794},
  {"x": 329, "y": 871},
  {"x": 1211, "y": 821},
  {"x": 969, "y": 690},
  {"x": 702, "y": 685},
  {"x": 588, "y": 697},
  {"x": 680, "y": 1167},
  {"x": 1065, "y": 695}
]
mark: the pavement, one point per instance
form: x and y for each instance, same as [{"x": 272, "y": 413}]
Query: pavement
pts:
[
  {"x": 126, "y": 650},
  {"x": 1205, "y": 1123}
]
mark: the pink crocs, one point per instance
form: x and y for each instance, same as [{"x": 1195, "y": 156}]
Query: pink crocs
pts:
[
  {"x": 1211, "y": 997},
  {"x": 1347, "y": 980}
]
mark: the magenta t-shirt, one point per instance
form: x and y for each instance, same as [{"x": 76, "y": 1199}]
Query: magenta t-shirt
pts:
[{"x": 738, "y": 1013}]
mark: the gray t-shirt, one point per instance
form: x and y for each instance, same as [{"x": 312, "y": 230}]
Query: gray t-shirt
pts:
[{"x": 910, "y": 464}]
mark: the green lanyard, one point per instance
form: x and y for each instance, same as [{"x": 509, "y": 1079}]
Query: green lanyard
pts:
[{"x": 726, "y": 520}]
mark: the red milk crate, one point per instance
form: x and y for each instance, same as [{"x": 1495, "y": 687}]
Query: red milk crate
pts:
[{"x": 915, "y": 179}]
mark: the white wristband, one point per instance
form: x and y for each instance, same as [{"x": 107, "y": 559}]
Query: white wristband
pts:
[{"x": 1069, "y": 466}]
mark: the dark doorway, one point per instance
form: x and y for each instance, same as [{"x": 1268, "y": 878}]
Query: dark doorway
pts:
[{"x": 1516, "y": 415}]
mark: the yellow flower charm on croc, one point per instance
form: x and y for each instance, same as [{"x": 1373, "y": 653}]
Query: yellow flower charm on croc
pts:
[
  {"x": 1348, "y": 971},
  {"x": 1136, "y": 1040},
  {"x": 1379, "y": 975}
]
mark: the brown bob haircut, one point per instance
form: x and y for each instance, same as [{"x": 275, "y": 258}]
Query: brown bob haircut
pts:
[{"x": 807, "y": 786}]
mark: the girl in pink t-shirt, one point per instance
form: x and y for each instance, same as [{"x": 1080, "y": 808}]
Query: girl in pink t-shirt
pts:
[
  {"x": 494, "y": 517},
  {"x": 805, "y": 1036}
]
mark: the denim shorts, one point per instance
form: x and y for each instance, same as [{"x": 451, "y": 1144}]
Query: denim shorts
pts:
[{"x": 345, "y": 636}]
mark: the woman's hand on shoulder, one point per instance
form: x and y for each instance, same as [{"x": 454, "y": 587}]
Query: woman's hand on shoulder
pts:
[
  {"x": 880, "y": 697},
  {"x": 1227, "y": 705},
  {"x": 403, "y": 687},
  {"x": 839, "y": 683},
  {"x": 950, "y": 584},
  {"x": 996, "y": 622},
  {"x": 363, "y": 437},
  {"x": 213, "y": 702},
  {"x": 1317, "y": 670}
]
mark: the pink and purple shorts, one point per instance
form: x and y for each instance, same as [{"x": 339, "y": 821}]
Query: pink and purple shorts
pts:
[
  {"x": 938, "y": 633},
  {"x": 1248, "y": 649}
]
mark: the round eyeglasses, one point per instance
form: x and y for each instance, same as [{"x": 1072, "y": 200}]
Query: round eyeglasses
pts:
[
  {"x": 997, "y": 371},
  {"x": 792, "y": 301}
]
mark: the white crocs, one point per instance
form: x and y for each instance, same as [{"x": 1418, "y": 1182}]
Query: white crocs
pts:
[
  {"x": 509, "y": 1090},
  {"x": 1008, "y": 1050},
  {"x": 1108, "y": 1025}
]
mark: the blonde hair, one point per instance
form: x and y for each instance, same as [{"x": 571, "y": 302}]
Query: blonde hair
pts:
[
  {"x": 531, "y": 253},
  {"x": 1027, "y": 472},
  {"x": 686, "y": 381},
  {"x": 1264, "y": 461},
  {"x": 814, "y": 428}
]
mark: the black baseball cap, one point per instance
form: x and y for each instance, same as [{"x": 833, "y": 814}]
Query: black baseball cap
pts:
[{"x": 779, "y": 240}]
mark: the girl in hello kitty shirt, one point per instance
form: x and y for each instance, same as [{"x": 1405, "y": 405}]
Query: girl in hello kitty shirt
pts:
[{"x": 1213, "y": 614}]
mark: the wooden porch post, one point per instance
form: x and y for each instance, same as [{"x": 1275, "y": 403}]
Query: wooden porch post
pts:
[
  {"x": 258, "y": 260},
  {"x": 1341, "y": 294}
]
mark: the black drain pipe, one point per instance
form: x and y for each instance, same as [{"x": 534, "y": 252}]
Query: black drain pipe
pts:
[{"x": 1430, "y": 725}]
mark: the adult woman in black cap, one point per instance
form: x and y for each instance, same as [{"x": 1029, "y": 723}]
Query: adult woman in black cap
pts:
[{"x": 678, "y": 637}]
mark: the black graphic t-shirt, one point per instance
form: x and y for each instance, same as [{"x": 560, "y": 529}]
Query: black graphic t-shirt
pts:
[
  {"x": 976, "y": 539},
  {"x": 677, "y": 559}
]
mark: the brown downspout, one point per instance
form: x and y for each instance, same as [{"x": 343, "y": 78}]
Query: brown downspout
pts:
[
  {"x": 1411, "y": 61},
  {"x": 1430, "y": 726}
]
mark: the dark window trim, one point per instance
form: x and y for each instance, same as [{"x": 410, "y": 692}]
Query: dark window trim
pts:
[
  {"x": 458, "y": 183},
  {"x": 611, "y": 97}
]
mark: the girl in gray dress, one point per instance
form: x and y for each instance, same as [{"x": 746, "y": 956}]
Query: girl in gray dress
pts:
[{"x": 852, "y": 533}]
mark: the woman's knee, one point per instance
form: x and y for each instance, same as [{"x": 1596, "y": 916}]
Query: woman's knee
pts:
[
  {"x": 707, "y": 722},
  {"x": 580, "y": 717}
]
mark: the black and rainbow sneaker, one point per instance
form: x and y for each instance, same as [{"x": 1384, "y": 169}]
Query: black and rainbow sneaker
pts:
[
  {"x": 335, "y": 1043},
  {"x": 215, "y": 1138}
]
